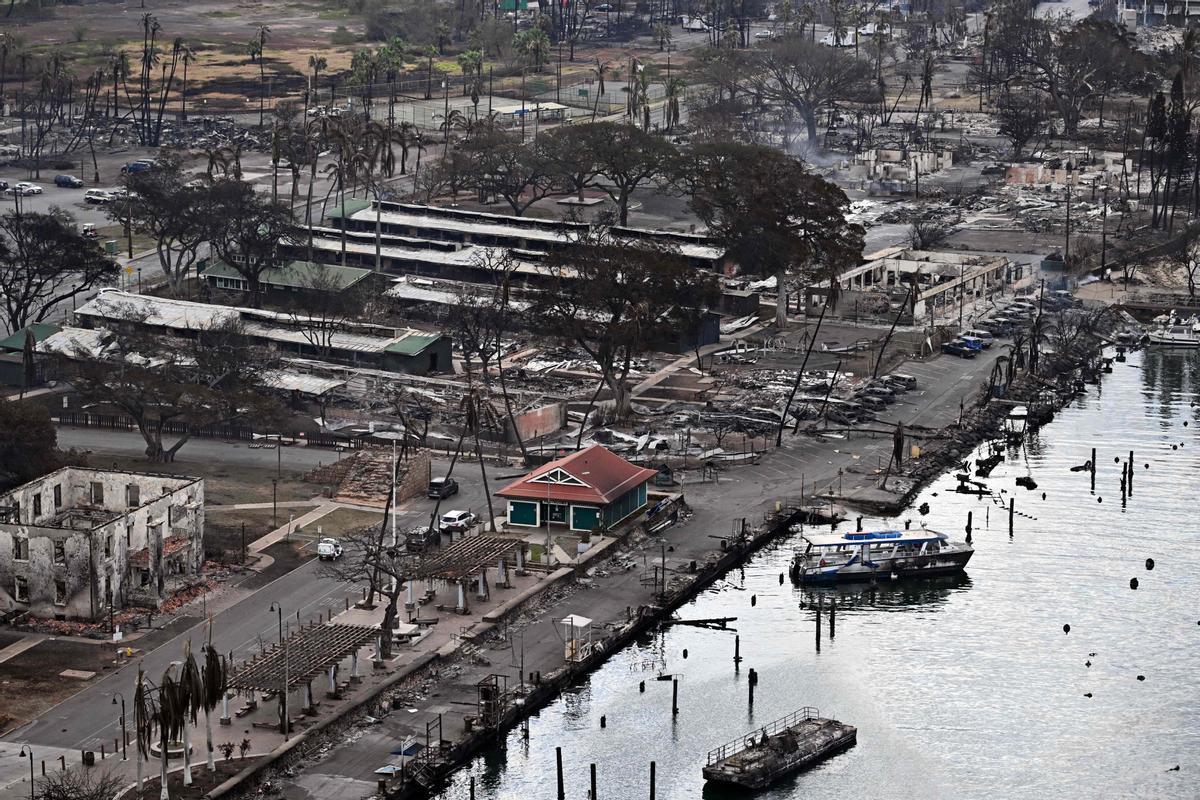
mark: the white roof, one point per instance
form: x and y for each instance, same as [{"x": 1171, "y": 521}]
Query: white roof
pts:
[
  {"x": 302, "y": 382},
  {"x": 853, "y": 539},
  {"x": 576, "y": 621}
]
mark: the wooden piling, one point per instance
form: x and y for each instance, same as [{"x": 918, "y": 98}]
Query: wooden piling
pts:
[
  {"x": 651, "y": 780},
  {"x": 1012, "y": 509},
  {"x": 969, "y": 515},
  {"x": 832, "y": 620},
  {"x": 562, "y": 795},
  {"x": 1131, "y": 473},
  {"x": 820, "y": 611},
  {"x": 472, "y": 788},
  {"x": 737, "y": 650},
  {"x": 675, "y": 697},
  {"x": 593, "y": 770}
]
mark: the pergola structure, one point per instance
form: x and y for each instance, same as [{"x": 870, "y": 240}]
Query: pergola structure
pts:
[
  {"x": 302, "y": 657},
  {"x": 469, "y": 558}
]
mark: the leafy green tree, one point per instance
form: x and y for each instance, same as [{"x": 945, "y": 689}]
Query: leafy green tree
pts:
[
  {"x": 28, "y": 443},
  {"x": 773, "y": 215}
]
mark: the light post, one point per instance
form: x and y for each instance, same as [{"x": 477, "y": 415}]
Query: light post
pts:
[
  {"x": 283, "y": 692},
  {"x": 274, "y": 503},
  {"x": 124, "y": 736},
  {"x": 26, "y": 750}
]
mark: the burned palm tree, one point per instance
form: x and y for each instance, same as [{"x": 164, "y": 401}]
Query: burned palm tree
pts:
[
  {"x": 216, "y": 682},
  {"x": 145, "y": 716},
  {"x": 191, "y": 698},
  {"x": 479, "y": 414},
  {"x": 169, "y": 719}
]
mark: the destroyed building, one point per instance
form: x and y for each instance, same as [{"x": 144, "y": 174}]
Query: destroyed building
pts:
[
  {"x": 79, "y": 543},
  {"x": 387, "y": 348}
]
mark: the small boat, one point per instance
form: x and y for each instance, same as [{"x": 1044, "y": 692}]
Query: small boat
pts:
[
  {"x": 1175, "y": 332},
  {"x": 877, "y": 555},
  {"x": 760, "y": 758}
]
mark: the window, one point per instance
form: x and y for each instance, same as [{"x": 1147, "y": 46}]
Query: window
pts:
[
  {"x": 16, "y": 512},
  {"x": 20, "y": 548},
  {"x": 37, "y": 507},
  {"x": 60, "y": 552},
  {"x": 133, "y": 495},
  {"x": 107, "y": 546},
  {"x": 97, "y": 493},
  {"x": 21, "y": 590},
  {"x": 58, "y": 496},
  {"x": 60, "y": 592}
]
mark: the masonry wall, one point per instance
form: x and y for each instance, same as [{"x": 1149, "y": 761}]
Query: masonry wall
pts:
[{"x": 76, "y": 565}]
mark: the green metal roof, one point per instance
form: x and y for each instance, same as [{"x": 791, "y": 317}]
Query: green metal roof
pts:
[
  {"x": 298, "y": 274},
  {"x": 351, "y": 206},
  {"x": 16, "y": 341},
  {"x": 412, "y": 344}
]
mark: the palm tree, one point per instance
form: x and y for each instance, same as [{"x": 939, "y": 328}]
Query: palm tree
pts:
[
  {"x": 191, "y": 699},
  {"x": 533, "y": 44},
  {"x": 316, "y": 64},
  {"x": 261, "y": 39},
  {"x": 600, "y": 70},
  {"x": 674, "y": 90},
  {"x": 144, "y": 717},
  {"x": 479, "y": 414},
  {"x": 169, "y": 721},
  {"x": 216, "y": 683},
  {"x": 186, "y": 56}
]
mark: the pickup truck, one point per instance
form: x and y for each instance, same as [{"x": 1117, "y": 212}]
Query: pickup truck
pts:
[{"x": 329, "y": 549}]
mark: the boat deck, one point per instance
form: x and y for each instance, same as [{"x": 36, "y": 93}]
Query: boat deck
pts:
[{"x": 786, "y": 745}]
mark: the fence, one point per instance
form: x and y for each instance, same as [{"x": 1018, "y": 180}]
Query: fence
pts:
[{"x": 119, "y": 422}]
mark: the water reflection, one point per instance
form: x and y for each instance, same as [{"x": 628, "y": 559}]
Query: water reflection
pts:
[{"x": 893, "y": 595}]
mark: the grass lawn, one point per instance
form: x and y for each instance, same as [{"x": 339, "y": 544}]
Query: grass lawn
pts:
[
  {"x": 224, "y": 484},
  {"x": 342, "y": 520}
]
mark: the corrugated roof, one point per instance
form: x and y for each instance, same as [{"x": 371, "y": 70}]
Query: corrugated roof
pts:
[
  {"x": 599, "y": 477},
  {"x": 41, "y": 330},
  {"x": 413, "y": 343},
  {"x": 298, "y": 274}
]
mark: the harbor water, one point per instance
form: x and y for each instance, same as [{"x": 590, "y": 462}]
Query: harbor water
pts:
[{"x": 960, "y": 688}]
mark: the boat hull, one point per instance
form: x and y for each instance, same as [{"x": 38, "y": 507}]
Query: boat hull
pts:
[{"x": 911, "y": 567}]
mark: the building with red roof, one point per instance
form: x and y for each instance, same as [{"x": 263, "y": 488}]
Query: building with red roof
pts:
[{"x": 588, "y": 489}]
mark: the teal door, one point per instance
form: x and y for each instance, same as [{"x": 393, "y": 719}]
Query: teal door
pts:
[
  {"x": 584, "y": 518},
  {"x": 520, "y": 513}
]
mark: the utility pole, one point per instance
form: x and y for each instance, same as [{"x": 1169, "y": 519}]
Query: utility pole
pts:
[
  {"x": 1067, "y": 253},
  {"x": 1104, "y": 232}
]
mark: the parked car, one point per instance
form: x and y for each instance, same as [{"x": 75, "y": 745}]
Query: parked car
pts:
[
  {"x": 880, "y": 393},
  {"x": 958, "y": 349},
  {"x": 900, "y": 378},
  {"x": 97, "y": 197},
  {"x": 982, "y": 334},
  {"x": 605, "y": 8},
  {"x": 974, "y": 342},
  {"x": 457, "y": 521},
  {"x": 68, "y": 182},
  {"x": 141, "y": 165},
  {"x": 871, "y": 402},
  {"x": 3, "y": 185},
  {"x": 763, "y": 35},
  {"x": 993, "y": 169},
  {"x": 442, "y": 487},
  {"x": 329, "y": 549},
  {"x": 420, "y": 539},
  {"x": 24, "y": 189},
  {"x": 1064, "y": 299}
]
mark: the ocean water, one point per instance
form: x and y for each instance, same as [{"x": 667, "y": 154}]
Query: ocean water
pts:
[{"x": 960, "y": 688}]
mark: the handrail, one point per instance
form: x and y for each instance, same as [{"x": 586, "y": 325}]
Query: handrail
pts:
[{"x": 748, "y": 740}]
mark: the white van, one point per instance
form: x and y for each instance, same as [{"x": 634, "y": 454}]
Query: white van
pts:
[{"x": 97, "y": 197}]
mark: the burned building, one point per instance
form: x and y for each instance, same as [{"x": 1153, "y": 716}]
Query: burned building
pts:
[{"x": 78, "y": 541}]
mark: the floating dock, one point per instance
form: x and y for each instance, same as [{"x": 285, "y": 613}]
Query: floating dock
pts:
[{"x": 786, "y": 745}]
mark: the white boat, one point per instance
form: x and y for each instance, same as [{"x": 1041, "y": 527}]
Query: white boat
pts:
[
  {"x": 877, "y": 555},
  {"x": 1172, "y": 331}
]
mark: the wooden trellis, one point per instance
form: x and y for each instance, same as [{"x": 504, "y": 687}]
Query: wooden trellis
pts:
[
  {"x": 468, "y": 556},
  {"x": 309, "y": 653}
]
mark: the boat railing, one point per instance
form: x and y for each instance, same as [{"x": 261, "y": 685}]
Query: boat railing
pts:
[{"x": 750, "y": 739}]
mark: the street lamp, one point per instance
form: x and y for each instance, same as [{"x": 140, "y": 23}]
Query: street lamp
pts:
[
  {"x": 274, "y": 503},
  {"x": 26, "y": 750},
  {"x": 124, "y": 736},
  {"x": 283, "y": 693}
]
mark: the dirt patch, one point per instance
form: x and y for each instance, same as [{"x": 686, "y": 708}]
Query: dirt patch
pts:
[
  {"x": 202, "y": 780},
  {"x": 224, "y": 484},
  {"x": 342, "y": 520},
  {"x": 223, "y": 529},
  {"x": 8, "y": 638},
  {"x": 30, "y": 683}
]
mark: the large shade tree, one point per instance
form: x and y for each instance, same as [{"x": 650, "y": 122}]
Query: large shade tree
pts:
[{"x": 773, "y": 215}]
